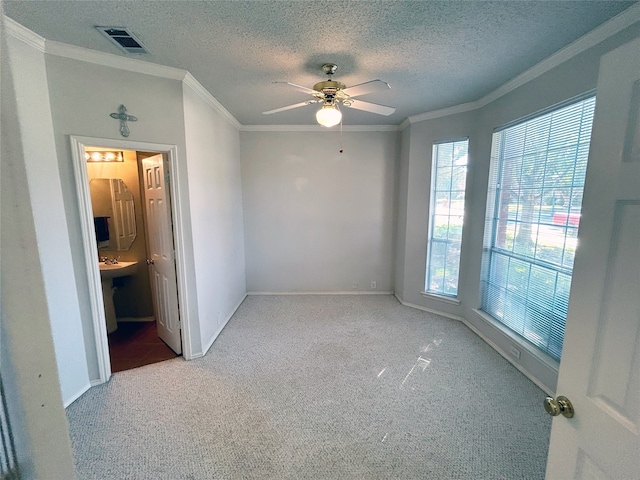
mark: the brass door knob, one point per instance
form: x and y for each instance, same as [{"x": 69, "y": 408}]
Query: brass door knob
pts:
[{"x": 560, "y": 406}]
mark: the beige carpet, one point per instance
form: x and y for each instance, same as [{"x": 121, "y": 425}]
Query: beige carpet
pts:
[{"x": 319, "y": 387}]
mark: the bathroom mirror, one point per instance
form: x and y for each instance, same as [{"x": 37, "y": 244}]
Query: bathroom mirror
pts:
[{"x": 113, "y": 213}]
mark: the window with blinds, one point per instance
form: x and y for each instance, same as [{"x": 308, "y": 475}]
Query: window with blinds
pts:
[
  {"x": 535, "y": 193},
  {"x": 446, "y": 215}
]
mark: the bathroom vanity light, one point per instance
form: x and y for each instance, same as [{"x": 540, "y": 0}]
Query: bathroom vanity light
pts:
[{"x": 103, "y": 156}]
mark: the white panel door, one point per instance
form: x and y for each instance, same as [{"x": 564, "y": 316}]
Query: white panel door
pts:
[
  {"x": 162, "y": 269},
  {"x": 600, "y": 367}
]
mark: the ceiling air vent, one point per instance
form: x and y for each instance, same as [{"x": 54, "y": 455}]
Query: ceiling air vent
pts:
[{"x": 124, "y": 39}]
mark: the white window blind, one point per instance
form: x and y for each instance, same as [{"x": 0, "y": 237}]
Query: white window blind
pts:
[
  {"x": 535, "y": 193},
  {"x": 449, "y": 174}
]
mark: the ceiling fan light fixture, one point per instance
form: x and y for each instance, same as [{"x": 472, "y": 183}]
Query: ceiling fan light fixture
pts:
[
  {"x": 328, "y": 116},
  {"x": 331, "y": 94}
]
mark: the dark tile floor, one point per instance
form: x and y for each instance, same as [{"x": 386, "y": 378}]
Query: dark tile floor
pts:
[{"x": 135, "y": 344}]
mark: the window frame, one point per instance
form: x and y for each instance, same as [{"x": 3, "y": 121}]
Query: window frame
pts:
[
  {"x": 442, "y": 295},
  {"x": 493, "y": 190}
]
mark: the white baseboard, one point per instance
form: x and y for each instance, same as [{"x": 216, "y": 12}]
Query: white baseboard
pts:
[
  {"x": 526, "y": 372},
  {"x": 344, "y": 292},
  {"x": 224, "y": 324},
  {"x": 509, "y": 358},
  {"x": 77, "y": 395},
  {"x": 430, "y": 310}
]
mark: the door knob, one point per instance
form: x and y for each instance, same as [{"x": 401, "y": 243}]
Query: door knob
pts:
[
  {"x": 560, "y": 406},
  {"x": 150, "y": 262}
]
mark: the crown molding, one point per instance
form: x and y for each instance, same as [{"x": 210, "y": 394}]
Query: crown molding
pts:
[
  {"x": 23, "y": 34},
  {"x": 110, "y": 60},
  {"x": 191, "y": 82},
  {"x": 618, "y": 23},
  {"x": 318, "y": 128},
  {"x": 95, "y": 57},
  {"x": 404, "y": 124},
  {"x": 443, "y": 112},
  {"x": 599, "y": 34}
]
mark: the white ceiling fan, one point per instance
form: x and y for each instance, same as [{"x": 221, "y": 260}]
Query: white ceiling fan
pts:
[{"x": 332, "y": 94}]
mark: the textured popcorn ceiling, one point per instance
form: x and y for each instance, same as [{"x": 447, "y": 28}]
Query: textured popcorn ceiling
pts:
[{"x": 435, "y": 54}]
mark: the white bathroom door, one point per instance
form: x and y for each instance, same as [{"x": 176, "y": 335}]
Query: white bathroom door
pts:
[
  {"x": 600, "y": 367},
  {"x": 161, "y": 258}
]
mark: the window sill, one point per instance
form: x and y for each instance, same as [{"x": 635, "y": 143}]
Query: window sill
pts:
[
  {"x": 527, "y": 346},
  {"x": 441, "y": 298}
]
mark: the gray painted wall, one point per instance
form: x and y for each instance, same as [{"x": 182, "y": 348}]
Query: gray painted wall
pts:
[
  {"x": 418, "y": 191},
  {"x": 73, "y": 97},
  {"x": 313, "y": 219},
  {"x": 32, "y": 386},
  {"x": 46, "y": 194},
  {"x": 402, "y": 184},
  {"x": 82, "y": 97},
  {"x": 570, "y": 79},
  {"x": 317, "y": 220},
  {"x": 215, "y": 198}
]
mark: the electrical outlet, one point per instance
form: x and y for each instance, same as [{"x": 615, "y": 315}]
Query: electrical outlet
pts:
[
  {"x": 373, "y": 285},
  {"x": 354, "y": 285},
  {"x": 515, "y": 352}
]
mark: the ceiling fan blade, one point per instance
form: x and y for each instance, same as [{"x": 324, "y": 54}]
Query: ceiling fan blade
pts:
[
  {"x": 289, "y": 107},
  {"x": 299, "y": 87},
  {"x": 371, "y": 86},
  {"x": 370, "y": 107}
]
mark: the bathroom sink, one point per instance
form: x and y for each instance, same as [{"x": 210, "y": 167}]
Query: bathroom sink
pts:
[{"x": 120, "y": 269}]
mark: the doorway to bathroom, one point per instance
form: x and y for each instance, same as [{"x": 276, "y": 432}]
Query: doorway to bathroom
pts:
[
  {"x": 129, "y": 192},
  {"x": 133, "y": 249}
]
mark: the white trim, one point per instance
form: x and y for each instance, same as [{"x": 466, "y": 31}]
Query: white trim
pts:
[
  {"x": 451, "y": 140},
  {"x": 318, "y": 128},
  {"x": 541, "y": 356},
  {"x": 441, "y": 298},
  {"x": 508, "y": 357},
  {"x": 96, "y": 300},
  {"x": 78, "y": 144},
  {"x": 111, "y": 60},
  {"x": 191, "y": 82},
  {"x": 177, "y": 199},
  {"x": 624, "y": 19},
  {"x": 601, "y": 33},
  {"x": 547, "y": 110},
  {"x": 343, "y": 292},
  {"x": 429, "y": 310},
  {"x": 618, "y": 23},
  {"x": 492, "y": 344},
  {"x": 22, "y": 33},
  {"x": 224, "y": 324},
  {"x": 444, "y": 112},
  {"x": 77, "y": 395}
]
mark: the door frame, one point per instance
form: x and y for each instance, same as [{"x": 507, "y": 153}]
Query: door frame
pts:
[{"x": 78, "y": 144}]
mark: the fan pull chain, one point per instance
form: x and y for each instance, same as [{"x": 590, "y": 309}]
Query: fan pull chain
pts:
[{"x": 341, "y": 149}]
